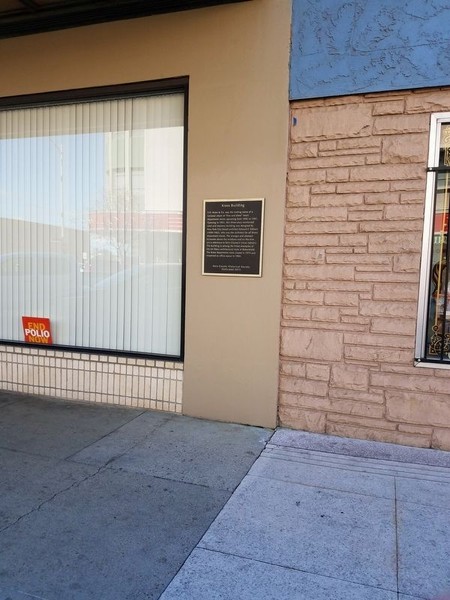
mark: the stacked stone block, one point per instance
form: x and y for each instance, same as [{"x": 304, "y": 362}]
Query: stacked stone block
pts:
[{"x": 354, "y": 221}]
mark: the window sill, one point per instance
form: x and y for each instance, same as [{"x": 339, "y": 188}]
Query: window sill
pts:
[{"x": 431, "y": 365}]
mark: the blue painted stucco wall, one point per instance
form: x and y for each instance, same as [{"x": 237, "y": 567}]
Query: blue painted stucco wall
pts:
[{"x": 355, "y": 46}]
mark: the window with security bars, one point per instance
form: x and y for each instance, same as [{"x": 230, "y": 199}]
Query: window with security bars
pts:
[
  {"x": 433, "y": 335},
  {"x": 91, "y": 222}
]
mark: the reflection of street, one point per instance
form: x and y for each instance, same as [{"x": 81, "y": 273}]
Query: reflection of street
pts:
[
  {"x": 118, "y": 240},
  {"x": 35, "y": 284},
  {"x": 93, "y": 298},
  {"x": 153, "y": 290}
]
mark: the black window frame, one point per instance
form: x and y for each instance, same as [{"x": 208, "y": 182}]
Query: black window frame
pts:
[{"x": 173, "y": 85}]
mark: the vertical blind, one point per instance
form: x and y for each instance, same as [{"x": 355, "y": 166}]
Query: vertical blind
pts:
[{"x": 91, "y": 202}]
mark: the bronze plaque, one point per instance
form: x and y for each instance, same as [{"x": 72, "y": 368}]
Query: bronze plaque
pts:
[{"x": 233, "y": 237}]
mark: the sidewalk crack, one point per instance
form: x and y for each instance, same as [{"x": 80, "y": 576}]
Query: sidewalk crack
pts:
[{"x": 55, "y": 495}]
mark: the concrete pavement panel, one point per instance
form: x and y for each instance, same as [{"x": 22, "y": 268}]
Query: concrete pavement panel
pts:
[
  {"x": 122, "y": 440},
  {"x": 117, "y": 535},
  {"x": 6, "y": 594},
  {"x": 326, "y": 532},
  {"x": 424, "y": 550},
  {"x": 57, "y": 429},
  {"x": 9, "y": 398},
  {"x": 197, "y": 451},
  {"x": 211, "y": 576},
  {"x": 27, "y": 481},
  {"x": 421, "y": 491}
]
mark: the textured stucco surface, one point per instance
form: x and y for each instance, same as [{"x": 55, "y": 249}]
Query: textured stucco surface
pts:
[{"x": 346, "y": 47}]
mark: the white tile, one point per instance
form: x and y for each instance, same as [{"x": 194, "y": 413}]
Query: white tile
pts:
[
  {"x": 173, "y": 391},
  {"x": 179, "y": 393},
  {"x": 141, "y": 392},
  {"x": 166, "y": 390}
]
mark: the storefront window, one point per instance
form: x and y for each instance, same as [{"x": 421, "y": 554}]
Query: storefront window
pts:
[
  {"x": 435, "y": 328},
  {"x": 91, "y": 222}
]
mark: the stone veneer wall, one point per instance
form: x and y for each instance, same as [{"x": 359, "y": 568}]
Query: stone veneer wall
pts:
[
  {"x": 356, "y": 190},
  {"x": 124, "y": 381}
]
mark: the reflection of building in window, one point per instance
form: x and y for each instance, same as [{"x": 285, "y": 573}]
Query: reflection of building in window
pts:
[
  {"x": 144, "y": 170},
  {"x": 141, "y": 214}
]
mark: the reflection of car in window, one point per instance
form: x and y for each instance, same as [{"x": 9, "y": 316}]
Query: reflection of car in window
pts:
[
  {"x": 143, "y": 279},
  {"x": 27, "y": 264},
  {"x": 153, "y": 290}
]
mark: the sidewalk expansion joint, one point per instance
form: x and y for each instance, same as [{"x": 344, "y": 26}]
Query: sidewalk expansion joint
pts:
[
  {"x": 397, "y": 548},
  {"x": 274, "y": 564}
]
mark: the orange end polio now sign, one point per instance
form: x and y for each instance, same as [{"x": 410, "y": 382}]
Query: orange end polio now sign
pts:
[{"x": 37, "y": 330}]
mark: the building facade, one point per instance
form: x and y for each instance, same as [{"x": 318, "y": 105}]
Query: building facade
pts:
[
  {"x": 122, "y": 130},
  {"x": 365, "y": 342},
  {"x": 113, "y": 135}
]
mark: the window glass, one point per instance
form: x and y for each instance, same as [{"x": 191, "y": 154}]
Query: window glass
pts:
[
  {"x": 91, "y": 222},
  {"x": 437, "y": 345}
]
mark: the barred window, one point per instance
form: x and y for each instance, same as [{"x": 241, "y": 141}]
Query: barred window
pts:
[{"x": 433, "y": 335}]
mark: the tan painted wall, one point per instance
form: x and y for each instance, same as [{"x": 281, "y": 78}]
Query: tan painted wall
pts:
[
  {"x": 352, "y": 253},
  {"x": 237, "y": 59}
]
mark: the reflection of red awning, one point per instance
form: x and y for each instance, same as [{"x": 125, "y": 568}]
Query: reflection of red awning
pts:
[
  {"x": 149, "y": 221},
  {"x": 441, "y": 223}
]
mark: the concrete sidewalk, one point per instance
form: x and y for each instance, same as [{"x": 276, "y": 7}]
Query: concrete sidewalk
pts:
[
  {"x": 320, "y": 518},
  {"x": 106, "y": 503},
  {"x": 101, "y": 502}
]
